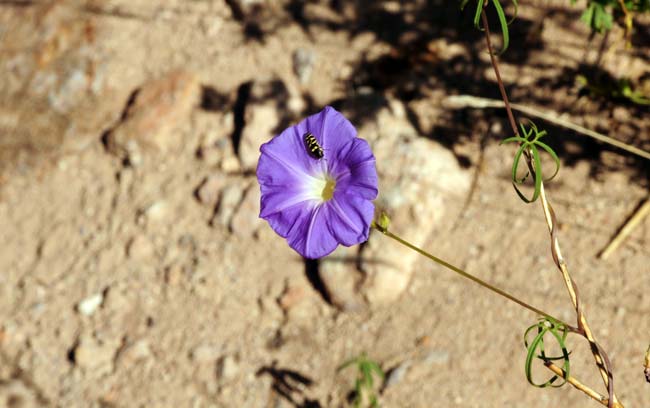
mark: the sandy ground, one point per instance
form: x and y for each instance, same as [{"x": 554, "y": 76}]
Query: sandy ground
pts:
[{"x": 134, "y": 269}]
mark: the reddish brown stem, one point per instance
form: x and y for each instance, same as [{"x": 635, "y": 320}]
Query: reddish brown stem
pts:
[{"x": 502, "y": 88}]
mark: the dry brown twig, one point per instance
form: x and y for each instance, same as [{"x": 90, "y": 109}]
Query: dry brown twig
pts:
[
  {"x": 627, "y": 229},
  {"x": 462, "y": 101}
]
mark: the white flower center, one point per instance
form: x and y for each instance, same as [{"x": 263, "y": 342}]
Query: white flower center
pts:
[{"x": 322, "y": 187}]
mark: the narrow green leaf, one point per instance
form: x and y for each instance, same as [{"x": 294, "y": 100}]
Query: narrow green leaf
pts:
[
  {"x": 530, "y": 355},
  {"x": 512, "y": 139},
  {"x": 554, "y": 156},
  {"x": 514, "y": 15},
  {"x": 348, "y": 363},
  {"x": 588, "y": 16},
  {"x": 539, "y": 135},
  {"x": 515, "y": 165},
  {"x": 366, "y": 375},
  {"x": 375, "y": 367},
  {"x": 477, "y": 15},
  {"x": 504, "y": 25}
]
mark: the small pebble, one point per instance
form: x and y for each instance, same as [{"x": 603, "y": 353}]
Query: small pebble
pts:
[
  {"x": 227, "y": 368},
  {"x": 437, "y": 357},
  {"x": 303, "y": 64},
  {"x": 205, "y": 352},
  {"x": 89, "y": 305},
  {"x": 397, "y": 374},
  {"x": 208, "y": 192}
]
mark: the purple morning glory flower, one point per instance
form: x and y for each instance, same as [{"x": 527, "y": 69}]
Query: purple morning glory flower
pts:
[{"x": 315, "y": 202}]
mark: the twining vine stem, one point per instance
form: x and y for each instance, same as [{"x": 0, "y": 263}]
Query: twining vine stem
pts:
[
  {"x": 600, "y": 357},
  {"x": 577, "y": 384}
]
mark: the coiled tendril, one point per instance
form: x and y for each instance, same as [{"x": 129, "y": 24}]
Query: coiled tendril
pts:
[
  {"x": 536, "y": 349},
  {"x": 530, "y": 142}
]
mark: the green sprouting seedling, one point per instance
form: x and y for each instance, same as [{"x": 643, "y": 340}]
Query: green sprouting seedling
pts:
[
  {"x": 599, "y": 14},
  {"x": 616, "y": 89},
  {"x": 530, "y": 142},
  {"x": 536, "y": 349},
  {"x": 364, "y": 384},
  {"x": 480, "y": 4}
]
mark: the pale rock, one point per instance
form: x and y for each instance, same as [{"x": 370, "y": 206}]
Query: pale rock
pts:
[
  {"x": 208, "y": 191},
  {"x": 89, "y": 305},
  {"x": 296, "y": 104},
  {"x": 135, "y": 352},
  {"x": 397, "y": 374},
  {"x": 270, "y": 308},
  {"x": 292, "y": 296},
  {"x": 52, "y": 84},
  {"x": 174, "y": 275},
  {"x": 417, "y": 198},
  {"x": 155, "y": 212},
  {"x": 211, "y": 25},
  {"x": 229, "y": 200},
  {"x": 298, "y": 303},
  {"x": 388, "y": 283},
  {"x": 247, "y": 7},
  {"x": 205, "y": 353},
  {"x": 12, "y": 339},
  {"x": 246, "y": 221},
  {"x": 303, "y": 64},
  {"x": 15, "y": 394},
  {"x": 93, "y": 355},
  {"x": 340, "y": 278},
  {"x": 158, "y": 108},
  {"x": 70, "y": 92},
  {"x": 215, "y": 136},
  {"x": 140, "y": 247},
  {"x": 436, "y": 357},
  {"x": 261, "y": 120},
  {"x": 230, "y": 164},
  {"x": 262, "y": 116},
  {"x": 210, "y": 155},
  {"x": 227, "y": 368}
]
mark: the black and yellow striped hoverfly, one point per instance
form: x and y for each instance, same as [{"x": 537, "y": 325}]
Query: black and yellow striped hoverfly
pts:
[{"x": 313, "y": 148}]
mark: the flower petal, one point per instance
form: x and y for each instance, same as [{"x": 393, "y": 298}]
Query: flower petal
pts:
[
  {"x": 350, "y": 217},
  {"x": 306, "y": 230},
  {"x": 278, "y": 199},
  {"x": 276, "y": 170},
  {"x": 355, "y": 171},
  {"x": 282, "y": 183},
  {"x": 335, "y": 130},
  {"x": 286, "y": 156}
]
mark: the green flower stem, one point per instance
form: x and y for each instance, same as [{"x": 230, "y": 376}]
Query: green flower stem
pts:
[{"x": 468, "y": 276}]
